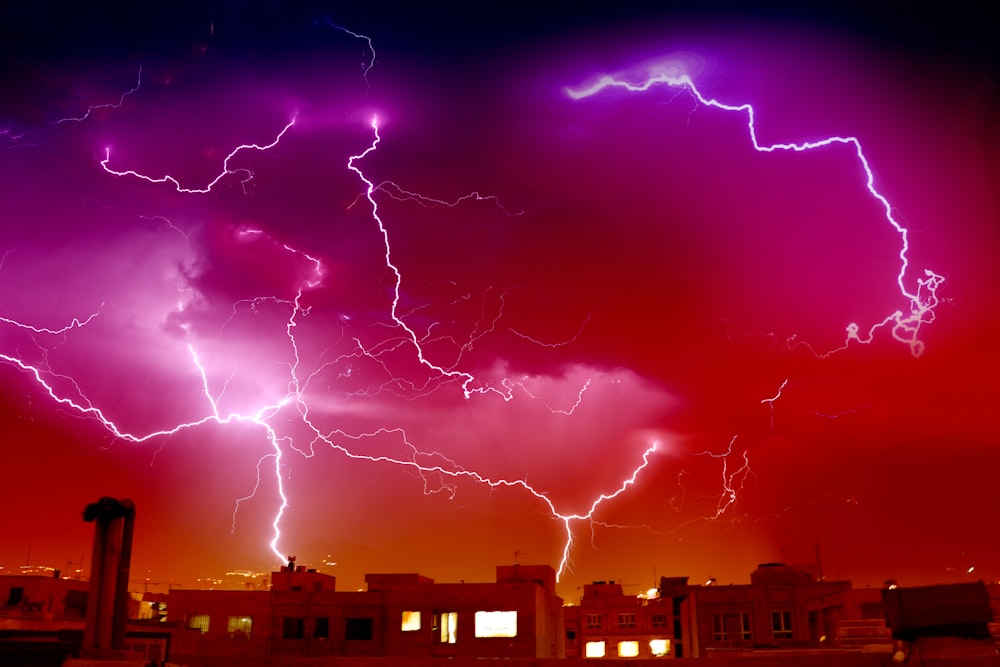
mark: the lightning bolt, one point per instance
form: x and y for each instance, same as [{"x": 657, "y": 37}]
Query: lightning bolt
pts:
[
  {"x": 226, "y": 169},
  {"x": 770, "y": 401},
  {"x": 395, "y": 191},
  {"x": 371, "y": 47},
  {"x": 429, "y": 465},
  {"x": 111, "y": 105},
  {"x": 466, "y": 378},
  {"x": 76, "y": 323},
  {"x": 921, "y": 302}
]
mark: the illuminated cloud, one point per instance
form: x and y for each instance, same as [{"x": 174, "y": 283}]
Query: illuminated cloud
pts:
[{"x": 456, "y": 330}]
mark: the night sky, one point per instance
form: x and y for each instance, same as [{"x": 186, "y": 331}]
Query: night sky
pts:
[{"x": 450, "y": 349}]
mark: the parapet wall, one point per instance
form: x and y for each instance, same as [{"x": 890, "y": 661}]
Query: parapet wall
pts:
[{"x": 830, "y": 659}]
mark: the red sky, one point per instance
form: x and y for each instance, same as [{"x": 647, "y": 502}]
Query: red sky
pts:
[{"x": 558, "y": 285}]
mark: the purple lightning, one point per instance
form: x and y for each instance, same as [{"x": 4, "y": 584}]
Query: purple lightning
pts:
[
  {"x": 226, "y": 169},
  {"x": 466, "y": 378},
  {"x": 371, "y": 47},
  {"x": 921, "y": 302},
  {"x": 427, "y": 464},
  {"x": 111, "y": 105}
]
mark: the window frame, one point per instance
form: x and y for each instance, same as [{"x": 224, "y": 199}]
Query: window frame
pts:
[
  {"x": 498, "y": 618},
  {"x": 195, "y": 624},
  {"x": 359, "y": 628},
  {"x": 721, "y": 627},
  {"x": 240, "y": 626},
  {"x": 293, "y": 627},
  {"x": 781, "y": 624},
  {"x": 626, "y": 619},
  {"x": 321, "y": 627}
]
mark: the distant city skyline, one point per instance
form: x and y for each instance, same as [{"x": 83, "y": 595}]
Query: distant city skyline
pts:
[{"x": 418, "y": 291}]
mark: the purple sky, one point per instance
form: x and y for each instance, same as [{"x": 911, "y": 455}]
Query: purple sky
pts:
[{"x": 558, "y": 289}]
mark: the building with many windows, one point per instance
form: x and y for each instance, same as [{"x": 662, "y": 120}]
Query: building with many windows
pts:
[
  {"x": 398, "y": 615},
  {"x": 782, "y": 608},
  {"x": 609, "y": 624},
  {"x": 42, "y": 618},
  {"x": 778, "y": 609}
]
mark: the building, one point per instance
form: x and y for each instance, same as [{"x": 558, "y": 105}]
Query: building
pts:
[
  {"x": 608, "y": 623},
  {"x": 398, "y": 615},
  {"x": 42, "y": 601},
  {"x": 42, "y": 620},
  {"x": 783, "y": 608}
]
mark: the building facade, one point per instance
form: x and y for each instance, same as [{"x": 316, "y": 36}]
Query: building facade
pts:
[
  {"x": 46, "y": 600},
  {"x": 398, "y": 615},
  {"x": 609, "y": 624},
  {"x": 783, "y": 608},
  {"x": 772, "y": 611}
]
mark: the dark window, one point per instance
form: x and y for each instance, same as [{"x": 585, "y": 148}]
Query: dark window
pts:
[
  {"x": 571, "y": 635},
  {"x": 294, "y": 627},
  {"x": 781, "y": 625},
  {"x": 626, "y": 620},
  {"x": 16, "y": 594},
  {"x": 358, "y": 628},
  {"x": 659, "y": 620},
  {"x": 321, "y": 628},
  {"x": 731, "y": 627}
]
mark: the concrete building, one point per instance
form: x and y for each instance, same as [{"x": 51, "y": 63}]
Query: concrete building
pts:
[
  {"x": 609, "y": 624},
  {"x": 42, "y": 621},
  {"x": 42, "y": 601},
  {"x": 783, "y": 608},
  {"x": 398, "y": 615}
]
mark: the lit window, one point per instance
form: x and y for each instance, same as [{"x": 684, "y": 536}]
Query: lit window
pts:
[
  {"x": 629, "y": 649},
  {"x": 594, "y": 650},
  {"x": 199, "y": 622},
  {"x": 659, "y": 647},
  {"x": 239, "y": 627},
  {"x": 593, "y": 621},
  {"x": 447, "y": 622},
  {"x": 626, "y": 620},
  {"x": 496, "y": 623},
  {"x": 659, "y": 620},
  {"x": 411, "y": 621},
  {"x": 781, "y": 624}
]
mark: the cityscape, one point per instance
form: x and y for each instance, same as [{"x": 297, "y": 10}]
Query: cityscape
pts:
[
  {"x": 660, "y": 330},
  {"x": 786, "y": 614}
]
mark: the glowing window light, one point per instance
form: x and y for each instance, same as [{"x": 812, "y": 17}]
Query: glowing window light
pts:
[
  {"x": 496, "y": 623},
  {"x": 239, "y": 627},
  {"x": 628, "y": 649},
  {"x": 659, "y": 647},
  {"x": 594, "y": 650},
  {"x": 448, "y": 623},
  {"x": 411, "y": 621},
  {"x": 199, "y": 622}
]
